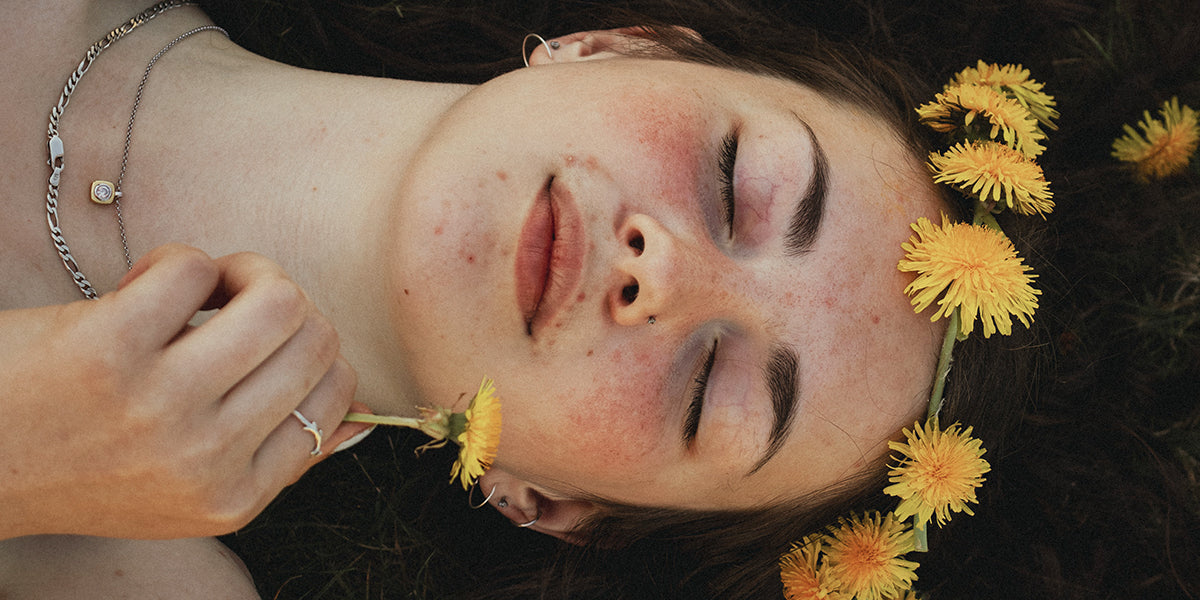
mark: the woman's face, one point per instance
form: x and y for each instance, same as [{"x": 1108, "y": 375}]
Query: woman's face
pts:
[{"x": 565, "y": 231}]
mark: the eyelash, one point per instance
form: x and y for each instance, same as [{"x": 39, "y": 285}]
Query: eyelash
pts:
[
  {"x": 691, "y": 424},
  {"x": 727, "y": 160}
]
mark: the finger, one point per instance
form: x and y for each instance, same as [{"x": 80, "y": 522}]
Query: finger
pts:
[
  {"x": 162, "y": 292},
  {"x": 287, "y": 452},
  {"x": 257, "y": 403},
  {"x": 265, "y": 309}
]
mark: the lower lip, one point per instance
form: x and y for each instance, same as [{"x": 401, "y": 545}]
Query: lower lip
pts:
[{"x": 549, "y": 257}]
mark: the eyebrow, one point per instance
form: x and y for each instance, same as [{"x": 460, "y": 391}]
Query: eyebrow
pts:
[
  {"x": 782, "y": 382},
  {"x": 806, "y": 220},
  {"x": 782, "y": 367}
]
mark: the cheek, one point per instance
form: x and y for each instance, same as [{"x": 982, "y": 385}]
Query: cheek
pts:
[
  {"x": 614, "y": 423},
  {"x": 661, "y": 135}
]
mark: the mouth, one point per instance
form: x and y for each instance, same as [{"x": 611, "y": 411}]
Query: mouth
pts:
[{"x": 549, "y": 257}]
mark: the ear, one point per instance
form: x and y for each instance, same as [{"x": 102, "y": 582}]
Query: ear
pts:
[
  {"x": 591, "y": 45},
  {"x": 522, "y": 502}
]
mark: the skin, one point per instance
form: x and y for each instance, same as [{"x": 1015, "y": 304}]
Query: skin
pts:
[{"x": 635, "y": 144}]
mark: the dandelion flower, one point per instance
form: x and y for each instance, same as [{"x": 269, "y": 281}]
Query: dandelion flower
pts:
[
  {"x": 970, "y": 267},
  {"x": 1168, "y": 144},
  {"x": 958, "y": 106},
  {"x": 1014, "y": 81},
  {"x": 938, "y": 473},
  {"x": 476, "y": 431},
  {"x": 479, "y": 436},
  {"x": 994, "y": 172},
  {"x": 802, "y": 578},
  {"x": 865, "y": 556}
]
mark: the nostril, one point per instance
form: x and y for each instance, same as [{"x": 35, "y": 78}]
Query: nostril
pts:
[
  {"x": 629, "y": 293},
  {"x": 637, "y": 243}
]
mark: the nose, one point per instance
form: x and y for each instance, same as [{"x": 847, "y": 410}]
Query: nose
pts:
[{"x": 665, "y": 276}]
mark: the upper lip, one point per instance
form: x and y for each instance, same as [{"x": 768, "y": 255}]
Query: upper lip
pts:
[{"x": 548, "y": 271}]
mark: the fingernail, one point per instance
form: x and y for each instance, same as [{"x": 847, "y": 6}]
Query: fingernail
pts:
[{"x": 358, "y": 437}]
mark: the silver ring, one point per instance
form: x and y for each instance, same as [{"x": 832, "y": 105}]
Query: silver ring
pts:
[
  {"x": 525, "y": 57},
  {"x": 312, "y": 428},
  {"x": 535, "y": 520}
]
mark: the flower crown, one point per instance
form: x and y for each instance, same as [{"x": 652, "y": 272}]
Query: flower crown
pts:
[{"x": 993, "y": 117}]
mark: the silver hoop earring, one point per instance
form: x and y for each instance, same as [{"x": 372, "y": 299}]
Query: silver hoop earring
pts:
[
  {"x": 535, "y": 520},
  {"x": 548, "y": 45},
  {"x": 485, "y": 500}
]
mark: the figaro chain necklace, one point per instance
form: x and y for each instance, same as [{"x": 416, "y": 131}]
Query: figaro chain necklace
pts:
[{"x": 102, "y": 192}]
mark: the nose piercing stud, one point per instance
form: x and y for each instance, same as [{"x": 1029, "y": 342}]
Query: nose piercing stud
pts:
[{"x": 651, "y": 320}]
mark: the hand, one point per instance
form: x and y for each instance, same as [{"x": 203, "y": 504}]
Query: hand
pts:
[{"x": 120, "y": 419}]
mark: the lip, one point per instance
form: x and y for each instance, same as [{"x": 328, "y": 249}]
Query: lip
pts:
[{"x": 549, "y": 257}]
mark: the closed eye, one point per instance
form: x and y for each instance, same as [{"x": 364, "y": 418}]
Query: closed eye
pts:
[
  {"x": 728, "y": 159},
  {"x": 691, "y": 423}
]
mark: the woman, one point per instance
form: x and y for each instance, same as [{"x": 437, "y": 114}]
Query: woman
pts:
[{"x": 464, "y": 246}]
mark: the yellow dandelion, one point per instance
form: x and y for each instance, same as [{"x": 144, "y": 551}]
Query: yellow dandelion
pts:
[
  {"x": 479, "y": 437},
  {"x": 1014, "y": 81},
  {"x": 1168, "y": 144},
  {"x": 970, "y": 267},
  {"x": 803, "y": 578},
  {"x": 476, "y": 431},
  {"x": 994, "y": 172},
  {"x": 866, "y": 556},
  {"x": 938, "y": 473},
  {"x": 958, "y": 106}
]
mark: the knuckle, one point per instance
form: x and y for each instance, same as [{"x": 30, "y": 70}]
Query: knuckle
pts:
[{"x": 283, "y": 297}]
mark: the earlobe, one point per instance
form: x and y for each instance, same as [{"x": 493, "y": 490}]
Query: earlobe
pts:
[
  {"x": 528, "y": 506},
  {"x": 599, "y": 44}
]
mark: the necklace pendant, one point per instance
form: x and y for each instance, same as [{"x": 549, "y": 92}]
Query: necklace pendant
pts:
[{"x": 103, "y": 192}]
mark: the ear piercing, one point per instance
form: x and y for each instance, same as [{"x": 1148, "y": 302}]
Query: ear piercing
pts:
[
  {"x": 485, "y": 500},
  {"x": 535, "y": 520},
  {"x": 651, "y": 320},
  {"x": 503, "y": 503},
  {"x": 550, "y": 46}
]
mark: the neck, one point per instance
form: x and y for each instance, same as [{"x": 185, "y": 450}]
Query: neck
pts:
[{"x": 231, "y": 152}]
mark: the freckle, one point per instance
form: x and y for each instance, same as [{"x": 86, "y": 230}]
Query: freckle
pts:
[
  {"x": 405, "y": 291},
  {"x": 119, "y": 573},
  {"x": 829, "y": 302},
  {"x": 437, "y": 230},
  {"x": 590, "y": 352},
  {"x": 502, "y": 175},
  {"x": 875, "y": 319},
  {"x": 314, "y": 188}
]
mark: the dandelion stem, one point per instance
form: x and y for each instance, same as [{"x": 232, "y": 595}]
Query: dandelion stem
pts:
[
  {"x": 943, "y": 366},
  {"x": 410, "y": 422}
]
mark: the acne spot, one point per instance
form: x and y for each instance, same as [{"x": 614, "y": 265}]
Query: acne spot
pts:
[
  {"x": 118, "y": 573},
  {"x": 569, "y": 159},
  {"x": 581, "y": 297},
  {"x": 405, "y": 291},
  {"x": 829, "y": 302},
  {"x": 437, "y": 230},
  {"x": 471, "y": 258},
  {"x": 591, "y": 163},
  {"x": 502, "y": 176},
  {"x": 875, "y": 319}
]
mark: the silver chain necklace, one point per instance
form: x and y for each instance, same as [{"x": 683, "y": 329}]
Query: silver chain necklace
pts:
[{"x": 102, "y": 192}]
